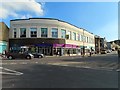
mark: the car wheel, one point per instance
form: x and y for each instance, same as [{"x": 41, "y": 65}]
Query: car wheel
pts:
[
  {"x": 10, "y": 57},
  {"x": 40, "y": 56},
  {"x": 28, "y": 57}
]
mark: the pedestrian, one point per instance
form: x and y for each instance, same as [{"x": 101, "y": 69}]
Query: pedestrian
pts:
[
  {"x": 69, "y": 52},
  {"x": 4, "y": 53},
  {"x": 90, "y": 53},
  {"x": 58, "y": 53}
]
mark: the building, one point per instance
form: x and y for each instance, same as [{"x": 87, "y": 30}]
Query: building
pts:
[
  {"x": 4, "y": 37},
  {"x": 48, "y": 36},
  {"x": 103, "y": 43},
  {"x": 97, "y": 44},
  {"x": 115, "y": 44},
  {"x": 100, "y": 44},
  {"x": 109, "y": 46}
]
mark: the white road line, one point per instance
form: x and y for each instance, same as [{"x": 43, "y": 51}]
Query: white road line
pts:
[
  {"x": 118, "y": 70},
  {"x": 13, "y": 63},
  {"x": 64, "y": 65},
  {"x": 97, "y": 68},
  {"x": 10, "y": 72},
  {"x": 36, "y": 62},
  {"x": 23, "y": 63},
  {"x": 3, "y": 63}
]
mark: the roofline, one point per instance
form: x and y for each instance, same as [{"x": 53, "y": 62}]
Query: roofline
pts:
[
  {"x": 5, "y": 24},
  {"x": 53, "y": 19}
]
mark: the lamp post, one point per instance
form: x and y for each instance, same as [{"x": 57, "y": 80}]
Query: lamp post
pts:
[
  {"x": 43, "y": 49},
  {"x": 83, "y": 44}
]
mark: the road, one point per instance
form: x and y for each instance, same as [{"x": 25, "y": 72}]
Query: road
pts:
[{"x": 98, "y": 71}]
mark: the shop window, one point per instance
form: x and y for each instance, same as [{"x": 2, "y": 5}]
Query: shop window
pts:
[{"x": 74, "y": 51}]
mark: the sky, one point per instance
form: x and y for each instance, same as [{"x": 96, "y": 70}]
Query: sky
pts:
[{"x": 99, "y": 18}]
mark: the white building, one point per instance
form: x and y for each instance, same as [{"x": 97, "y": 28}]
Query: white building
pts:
[{"x": 48, "y": 35}]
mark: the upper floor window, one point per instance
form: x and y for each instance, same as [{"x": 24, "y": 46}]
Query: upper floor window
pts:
[
  {"x": 87, "y": 39},
  {"x": 68, "y": 36},
  {"x": 63, "y": 33},
  {"x": 22, "y": 32},
  {"x": 91, "y": 40},
  {"x": 78, "y": 37},
  {"x": 74, "y": 36},
  {"x": 84, "y": 38},
  {"x": 81, "y": 37},
  {"x": 44, "y": 32},
  {"x": 54, "y": 32},
  {"x": 15, "y": 33},
  {"x": 33, "y": 32}
]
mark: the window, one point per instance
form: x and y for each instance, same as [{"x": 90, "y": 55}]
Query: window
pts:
[
  {"x": 87, "y": 39},
  {"x": 68, "y": 36},
  {"x": 63, "y": 33},
  {"x": 74, "y": 51},
  {"x": 22, "y": 32},
  {"x": 54, "y": 32},
  {"x": 33, "y": 32},
  {"x": 74, "y": 36},
  {"x": 91, "y": 40},
  {"x": 78, "y": 37},
  {"x": 44, "y": 32},
  {"x": 84, "y": 38},
  {"x": 15, "y": 33}
]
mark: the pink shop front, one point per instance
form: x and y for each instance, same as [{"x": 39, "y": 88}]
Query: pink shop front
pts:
[
  {"x": 47, "y": 46},
  {"x": 65, "y": 49}
]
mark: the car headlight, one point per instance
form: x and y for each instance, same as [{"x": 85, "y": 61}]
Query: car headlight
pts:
[
  {"x": 42, "y": 54},
  {"x": 31, "y": 55}
]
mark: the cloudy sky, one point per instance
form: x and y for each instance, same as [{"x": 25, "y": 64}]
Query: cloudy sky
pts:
[{"x": 100, "y": 18}]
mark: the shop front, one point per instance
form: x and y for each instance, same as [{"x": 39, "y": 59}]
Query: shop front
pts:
[
  {"x": 3, "y": 46},
  {"x": 66, "y": 49},
  {"x": 45, "y": 46}
]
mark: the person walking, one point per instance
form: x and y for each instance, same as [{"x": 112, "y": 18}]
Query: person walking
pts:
[
  {"x": 90, "y": 53},
  {"x": 58, "y": 53},
  {"x": 69, "y": 52}
]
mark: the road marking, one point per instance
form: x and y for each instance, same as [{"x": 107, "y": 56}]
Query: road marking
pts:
[
  {"x": 23, "y": 63},
  {"x": 64, "y": 65},
  {"x": 10, "y": 72},
  {"x": 3, "y": 63},
  {"x": 118, "y": 70},
  {"x": 36, "y": 62},
  {"x": 13, "y": 63}
]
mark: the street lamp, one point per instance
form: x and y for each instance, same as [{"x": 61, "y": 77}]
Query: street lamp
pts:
[
  {"x": 83, "y": 44},
  {"x": 43, "y": 48}
]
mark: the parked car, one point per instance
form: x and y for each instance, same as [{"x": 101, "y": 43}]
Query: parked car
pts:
[
  {"x": 38, "y": 55},
  {"x": 14, "y": 55},
  {"x": 103, "y": 52}
]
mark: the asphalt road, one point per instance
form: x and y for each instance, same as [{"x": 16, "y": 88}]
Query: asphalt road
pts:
[
  {"x": 62, "y": 72},
  {"x": 49, "y": 76}
]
